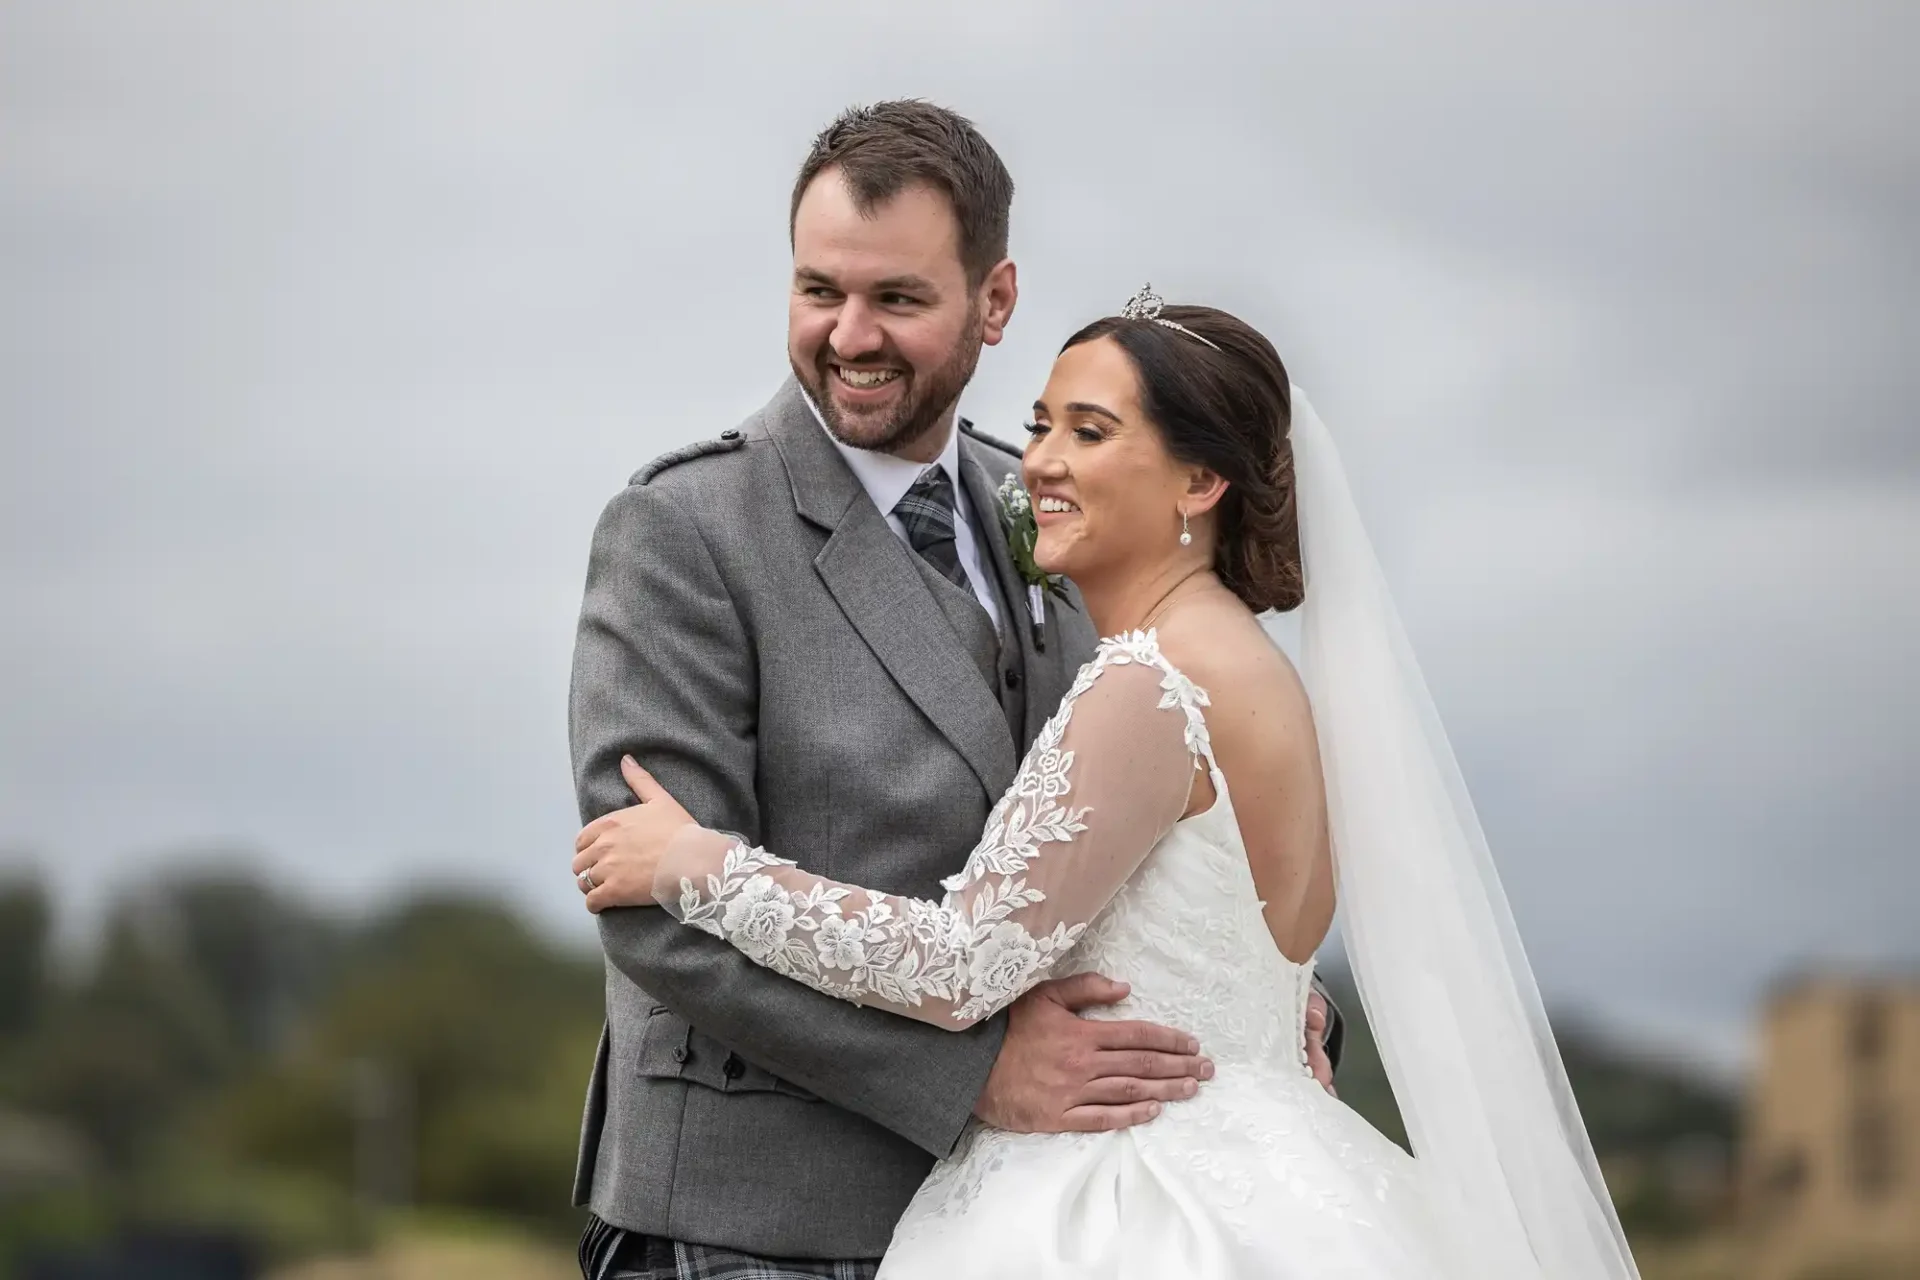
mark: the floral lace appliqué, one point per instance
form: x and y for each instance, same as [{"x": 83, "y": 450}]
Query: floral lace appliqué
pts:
[{"x": 970, "y": 950}]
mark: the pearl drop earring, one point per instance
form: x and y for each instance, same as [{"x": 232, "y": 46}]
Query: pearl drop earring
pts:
[{"x": 1186, "y": 534}]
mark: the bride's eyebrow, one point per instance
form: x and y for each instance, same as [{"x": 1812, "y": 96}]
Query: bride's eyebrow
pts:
[{"x": 1082, "y": 406}]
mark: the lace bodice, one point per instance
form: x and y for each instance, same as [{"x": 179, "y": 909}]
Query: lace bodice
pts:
[
  {"x": 1071, "y": 857},
  {"x": 1188, "y": 936}
]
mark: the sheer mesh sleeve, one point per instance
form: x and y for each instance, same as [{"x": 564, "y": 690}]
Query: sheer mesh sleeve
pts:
[{"x": 1107, "y": 778}]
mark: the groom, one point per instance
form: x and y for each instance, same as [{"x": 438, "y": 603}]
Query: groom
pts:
[{"x": 809, "y": 628}]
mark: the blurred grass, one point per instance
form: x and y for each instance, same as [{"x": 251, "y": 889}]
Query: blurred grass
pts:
[{"x": 427, "y": 1252}]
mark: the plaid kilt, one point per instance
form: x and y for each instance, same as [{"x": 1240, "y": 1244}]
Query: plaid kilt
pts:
[{"x": 609, "y": 1253}]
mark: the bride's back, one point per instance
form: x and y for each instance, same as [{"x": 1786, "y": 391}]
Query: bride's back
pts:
[
  {"x": 1263, "y": 738},
  {"x": 1205, "y": 930}
]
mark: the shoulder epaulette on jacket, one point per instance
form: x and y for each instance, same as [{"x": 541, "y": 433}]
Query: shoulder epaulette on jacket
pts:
[
  {"x": 725, "y": 442},
  {"x": 968, "y": 429}
]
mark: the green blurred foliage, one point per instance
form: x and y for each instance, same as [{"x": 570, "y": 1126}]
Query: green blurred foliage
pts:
[
  {"x": 476, "y": 1036},
  {"x": 26, "y": 921},
  {"x": 230, "y": 1057},
  {"x": 133, "y": 1039}
]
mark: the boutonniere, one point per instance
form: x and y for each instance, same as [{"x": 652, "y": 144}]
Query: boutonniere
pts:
[{"x": 1016, "y": 517}]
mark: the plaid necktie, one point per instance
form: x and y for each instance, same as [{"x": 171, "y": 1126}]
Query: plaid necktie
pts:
[{"x": 927, "y": 514}]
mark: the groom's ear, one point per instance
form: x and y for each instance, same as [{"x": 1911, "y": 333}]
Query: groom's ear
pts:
[
  {"x": 1204, "y": 490},
  {"x": 998, "y": 294}
]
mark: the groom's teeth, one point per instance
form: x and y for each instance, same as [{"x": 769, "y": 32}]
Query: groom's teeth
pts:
[
  {"x": 1056, "y": 504},
  {"x": 867, "y": 377}
]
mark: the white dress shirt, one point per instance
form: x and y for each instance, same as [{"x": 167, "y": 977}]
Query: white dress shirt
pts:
[{"x": 887, "y": 479}]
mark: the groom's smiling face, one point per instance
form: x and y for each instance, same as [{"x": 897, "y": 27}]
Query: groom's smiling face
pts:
[{"x": 883, "y": 328}]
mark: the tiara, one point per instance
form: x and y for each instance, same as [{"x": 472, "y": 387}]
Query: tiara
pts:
[{"x": 1146, "y": 304}]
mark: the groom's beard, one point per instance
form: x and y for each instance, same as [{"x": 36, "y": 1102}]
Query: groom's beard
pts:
[{"x": 928, "y": 399}]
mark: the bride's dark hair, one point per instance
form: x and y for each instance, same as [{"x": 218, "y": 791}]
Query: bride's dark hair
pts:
[{"x": 1227, "y": 410}]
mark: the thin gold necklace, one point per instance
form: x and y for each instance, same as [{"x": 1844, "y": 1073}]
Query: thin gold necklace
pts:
[{"x": 1166, "y": 601}]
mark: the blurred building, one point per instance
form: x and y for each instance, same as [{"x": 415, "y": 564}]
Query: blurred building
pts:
[{"x": 1831, "y": 1176}]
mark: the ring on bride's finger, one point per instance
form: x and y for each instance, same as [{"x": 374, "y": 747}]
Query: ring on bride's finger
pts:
[{"x": 585, "y": 880}]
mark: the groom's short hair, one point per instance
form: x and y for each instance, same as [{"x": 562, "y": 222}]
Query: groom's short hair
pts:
[{"x": 882, "y": 149}]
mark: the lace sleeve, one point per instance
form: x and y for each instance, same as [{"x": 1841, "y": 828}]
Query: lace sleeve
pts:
[{"x": 1109, "y": 776}]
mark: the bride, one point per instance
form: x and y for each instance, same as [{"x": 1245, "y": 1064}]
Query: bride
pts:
[{"x": 1182, "y": 823}]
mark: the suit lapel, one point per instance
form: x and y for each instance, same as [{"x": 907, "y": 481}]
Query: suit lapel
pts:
[{"x": 871, "y": 575}]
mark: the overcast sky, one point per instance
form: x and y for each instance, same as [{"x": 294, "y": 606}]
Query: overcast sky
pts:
[{"x": 326, "y": 330}]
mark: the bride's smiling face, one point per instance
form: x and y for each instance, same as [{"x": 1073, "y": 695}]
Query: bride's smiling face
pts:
[{"x": 1106, "y": 492}]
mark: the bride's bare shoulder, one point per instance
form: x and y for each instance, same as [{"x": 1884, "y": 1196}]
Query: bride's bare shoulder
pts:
[
  {"x": 1224, "y": 649},
  {"x": 1257, "y": 702}
]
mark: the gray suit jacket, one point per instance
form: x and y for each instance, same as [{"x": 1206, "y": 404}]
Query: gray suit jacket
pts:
[{"x": 756, "y": 636}]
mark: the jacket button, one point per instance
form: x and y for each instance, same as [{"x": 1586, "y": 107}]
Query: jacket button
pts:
[
  {"x": 1013, "y": 679},
  {"x": 679, "y": 1053},
  {"x": 733, "y": 1068}
]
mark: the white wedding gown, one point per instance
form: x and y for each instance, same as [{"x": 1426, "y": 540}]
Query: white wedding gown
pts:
[{"x": 1087, "y": 864}]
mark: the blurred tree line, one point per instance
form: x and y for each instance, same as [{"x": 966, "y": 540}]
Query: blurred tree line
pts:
[{"x": 232, "y": 1057}]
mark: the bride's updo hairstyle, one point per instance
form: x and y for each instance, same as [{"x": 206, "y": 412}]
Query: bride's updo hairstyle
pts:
[{"x": 1225, "y": 407}]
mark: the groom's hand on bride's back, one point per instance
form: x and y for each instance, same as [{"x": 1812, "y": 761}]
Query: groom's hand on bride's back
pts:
[
  {"x": 1319, "y": 1060},
  {"x": 1059, "y": 1072}
]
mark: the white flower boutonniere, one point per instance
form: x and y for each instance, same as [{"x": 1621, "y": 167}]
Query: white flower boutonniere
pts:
[{"x": 1016, "y": 517}]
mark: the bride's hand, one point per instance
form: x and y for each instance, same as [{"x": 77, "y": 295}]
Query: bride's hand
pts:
[{"x": 615, "y": 856}]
